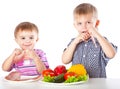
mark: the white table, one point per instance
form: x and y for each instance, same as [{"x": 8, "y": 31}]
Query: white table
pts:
[{"x": 93, "y": 83}]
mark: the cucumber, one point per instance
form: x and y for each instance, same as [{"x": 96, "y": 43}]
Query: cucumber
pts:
[{"x": 59, "y": 78}]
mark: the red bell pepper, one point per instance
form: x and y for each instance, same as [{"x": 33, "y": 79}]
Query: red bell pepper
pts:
[{"x": 60, "y": 69}]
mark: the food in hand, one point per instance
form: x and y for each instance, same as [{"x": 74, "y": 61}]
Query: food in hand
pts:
[{"x": 93, "y": 39}]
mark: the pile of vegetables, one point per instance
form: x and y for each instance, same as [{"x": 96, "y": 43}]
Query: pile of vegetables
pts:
[{"x": 60, "y": 74}]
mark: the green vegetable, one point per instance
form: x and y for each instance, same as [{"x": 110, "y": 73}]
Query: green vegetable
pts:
[
  {"x": 48, "y": 79},
  {"x": 71, "y": 79},
  {"x": 59, "y": 78},
  {"x": 83, "y": 78},
  {"x": 56, "y": 79},
  {"x": 76, "y": 79}
]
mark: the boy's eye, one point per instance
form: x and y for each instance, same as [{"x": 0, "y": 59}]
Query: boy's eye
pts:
[
  {"x": 79, "y": 23},
  {"x": 88, "y": 22},
  {"x": 31, "y": 37},
  {"x": 23, "y": 38}
]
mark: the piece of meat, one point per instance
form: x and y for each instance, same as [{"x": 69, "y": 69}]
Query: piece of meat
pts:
[{"x": 14, "y": 76}]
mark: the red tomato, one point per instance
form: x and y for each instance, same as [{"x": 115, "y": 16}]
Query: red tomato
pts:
[
  {"x": 60, "y": 69},
  {"x": 48, "y": 72},
  {"x": 69, "y": 74}
]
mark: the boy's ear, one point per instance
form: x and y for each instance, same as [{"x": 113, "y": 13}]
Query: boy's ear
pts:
[
  {"x": 74, "y": 25},
  {"x": 97, "y": 23},
  {"x": 37, "y": 39},
  {"x": 16, "y": 40}
]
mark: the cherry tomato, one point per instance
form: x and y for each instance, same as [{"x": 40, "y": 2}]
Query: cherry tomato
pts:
[
  {"x": 60, "y": 69},
  {"x": 69, "y": 74},
  {"x": 48, "y": 72}
]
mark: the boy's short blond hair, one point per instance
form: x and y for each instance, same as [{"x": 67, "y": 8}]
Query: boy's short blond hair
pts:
[
  {"x": 84, "y": 9},
  {"x": 25, "y": 26}
]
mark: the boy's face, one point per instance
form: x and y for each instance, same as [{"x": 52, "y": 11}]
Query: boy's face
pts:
[
  {"x": 27, "y": 39},
  {"x": 84, "y": 22}
]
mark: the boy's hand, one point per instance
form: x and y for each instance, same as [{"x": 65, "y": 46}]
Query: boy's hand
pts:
[
  {"x": 93, "y": 31},
  {"x": 85, "y": 36},
  {"x": 82, "y": 37}
]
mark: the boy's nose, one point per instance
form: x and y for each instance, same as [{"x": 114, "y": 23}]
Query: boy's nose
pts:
[
  {"x": 27, "y": 40},
  {"x": 84, "y": 27}
]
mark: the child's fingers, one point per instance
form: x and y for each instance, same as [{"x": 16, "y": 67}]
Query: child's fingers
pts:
[
  {"x": 85, "y": 36},
  {"x": 28, "y": 53},
  {"x": 17, "y": 51}
]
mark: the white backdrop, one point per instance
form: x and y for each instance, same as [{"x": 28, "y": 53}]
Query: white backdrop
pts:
[{"x": 54, "y": 19}]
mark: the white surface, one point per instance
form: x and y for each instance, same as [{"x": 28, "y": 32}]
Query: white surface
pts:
[{"x": 94, "y": 83}]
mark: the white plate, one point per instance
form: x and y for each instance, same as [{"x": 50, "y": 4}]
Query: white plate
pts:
[{"x": 73, "y": 83}]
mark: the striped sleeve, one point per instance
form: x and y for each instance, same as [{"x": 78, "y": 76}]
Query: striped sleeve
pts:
[{"x": 42, "y": 56}]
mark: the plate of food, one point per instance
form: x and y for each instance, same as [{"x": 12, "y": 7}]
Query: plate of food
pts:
[
  {"x": 76, "y": 74},
  {"x": 71, "y": 81}
]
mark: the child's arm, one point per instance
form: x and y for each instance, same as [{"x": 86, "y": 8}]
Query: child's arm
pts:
[
  {"x": 106, "y": 46},
  {"x": 9, "y": 62},
  {"x": 69, "y": 51},
  {"x": 39, "y": 64}
]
